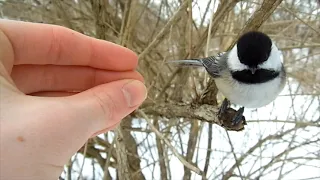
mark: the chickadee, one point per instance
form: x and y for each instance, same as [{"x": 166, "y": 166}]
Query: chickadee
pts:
[{"x": 251, "y": 74}]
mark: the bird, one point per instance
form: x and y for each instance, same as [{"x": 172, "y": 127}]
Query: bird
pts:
[{"x": 251, "y": 74}]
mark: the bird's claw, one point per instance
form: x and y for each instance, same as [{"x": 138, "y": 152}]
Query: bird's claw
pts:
[
  {"x": 238, "y": 117},
  {"x": 230, "y": 118},
  {"x": 224, "y": 106}
]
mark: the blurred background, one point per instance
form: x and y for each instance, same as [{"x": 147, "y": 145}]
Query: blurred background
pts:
[{"x": 175, "y": 134}]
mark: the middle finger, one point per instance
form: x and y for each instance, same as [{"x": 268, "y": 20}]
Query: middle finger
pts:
[{"x": 38, "y": 78}]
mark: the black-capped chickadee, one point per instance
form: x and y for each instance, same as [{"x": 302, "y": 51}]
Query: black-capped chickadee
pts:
[{"x": 251, "y": 74}]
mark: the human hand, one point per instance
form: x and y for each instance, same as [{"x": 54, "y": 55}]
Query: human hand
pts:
[{"x": 57, "y": 89}]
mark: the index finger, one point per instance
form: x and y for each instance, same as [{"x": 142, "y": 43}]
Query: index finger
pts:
[{"x": 35, "y": 43}]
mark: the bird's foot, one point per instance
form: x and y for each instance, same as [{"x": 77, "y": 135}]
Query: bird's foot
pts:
[
  {"x": 223, "y": 108},
  {"x": 230, "y": 118},
  {"x": 238, "y": 117}
]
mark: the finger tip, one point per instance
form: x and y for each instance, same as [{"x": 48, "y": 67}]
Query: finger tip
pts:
[
  {"x": 135, "y": 92},
  {"x": 140, "y": 77},
  {"x": 127, "y": 58},
  {"x": 130, "y": 57}
]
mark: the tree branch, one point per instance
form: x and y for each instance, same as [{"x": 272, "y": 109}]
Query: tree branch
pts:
[{"x": 204, "y": 112}]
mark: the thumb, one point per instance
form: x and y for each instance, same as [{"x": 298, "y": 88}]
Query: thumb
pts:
[
  {"x": 102, "y": 107},
  {"x": 55, "y": 128}
]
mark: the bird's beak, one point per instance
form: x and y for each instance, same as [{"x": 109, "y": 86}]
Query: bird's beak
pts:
[{"x": 253, "y": 70}]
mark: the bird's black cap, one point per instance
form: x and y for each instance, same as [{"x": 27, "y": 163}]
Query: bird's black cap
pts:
[{"x": 254, "y": 48}]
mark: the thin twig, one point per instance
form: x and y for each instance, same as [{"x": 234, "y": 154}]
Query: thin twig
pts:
[
  {"x": 84, "y": 158},
  {"x": 164, "y": 30},
  {"x": 175, "y": 152},
  {"x": 108, "y": 158},
  {"x": 304, "y": 22},
  {"x": 234, "y": 155}
]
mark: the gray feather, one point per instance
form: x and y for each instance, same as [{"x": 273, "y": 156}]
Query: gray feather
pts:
[{"x": 214, "y": 65}]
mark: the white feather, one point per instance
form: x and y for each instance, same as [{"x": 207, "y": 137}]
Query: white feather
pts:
[
  {"x": 275, "y": 61},
  {"x": 234, "y": 62},
  {"x": 249, "y": 95}
]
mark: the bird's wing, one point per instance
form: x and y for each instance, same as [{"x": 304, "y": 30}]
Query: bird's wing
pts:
[{"x": 212, "y": 65}]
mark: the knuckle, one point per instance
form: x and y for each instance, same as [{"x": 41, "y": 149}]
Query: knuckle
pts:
[
  {"x": 58, "y": 43},
  {"x": 105, "y": 103},
  {"x": 55, "y": 49}
]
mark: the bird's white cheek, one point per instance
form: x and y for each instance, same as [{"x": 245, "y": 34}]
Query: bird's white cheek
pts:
[
  {"x": 274, "y": 61},
  {"x": 234, "y": 62}
]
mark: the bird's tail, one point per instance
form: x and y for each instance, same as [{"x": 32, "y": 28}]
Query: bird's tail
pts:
[{"x": 186, "y": 62}]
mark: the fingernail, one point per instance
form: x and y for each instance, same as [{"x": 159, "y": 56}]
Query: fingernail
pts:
[{"x": 135, "y": 92}]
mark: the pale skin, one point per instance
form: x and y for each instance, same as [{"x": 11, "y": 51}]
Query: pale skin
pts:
[{"x": 58, "y": 88}]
